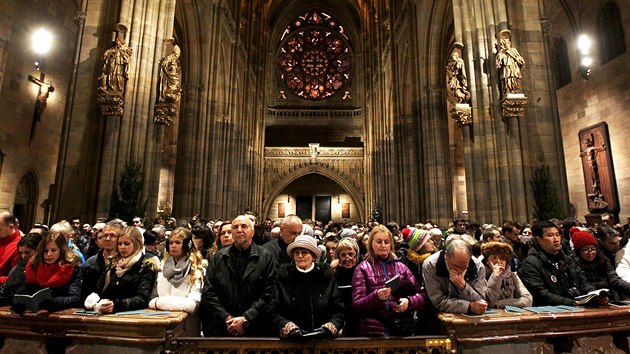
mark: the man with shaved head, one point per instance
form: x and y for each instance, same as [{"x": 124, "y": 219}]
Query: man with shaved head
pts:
[
  {"x": 9, "y": 238},
  {"x": 239, "y": 286},
  {"x": 290, "y": 228}
]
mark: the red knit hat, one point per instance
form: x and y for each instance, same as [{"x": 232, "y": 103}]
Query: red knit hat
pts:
[{"x": 581, "y": 239}]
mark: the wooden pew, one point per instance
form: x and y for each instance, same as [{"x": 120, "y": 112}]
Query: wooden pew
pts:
[
  {"x": 528, "y": 332},
  {"x": 89, "y": 333}
]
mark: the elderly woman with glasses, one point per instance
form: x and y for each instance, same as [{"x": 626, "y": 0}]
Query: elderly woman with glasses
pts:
[
  {"x": 348, "y": 256},
  {"x": 596, "y": 267},
  {"x": 308, "y": 302}
]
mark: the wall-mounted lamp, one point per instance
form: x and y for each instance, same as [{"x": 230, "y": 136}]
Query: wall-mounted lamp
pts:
[
  {"x": 584, "y": 45},
  {"x": 338, "y": 199},
  {"x": 288, "y": 199},
  {"x": 41, "y": 42}
]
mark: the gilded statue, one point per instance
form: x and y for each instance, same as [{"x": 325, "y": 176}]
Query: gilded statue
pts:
[
  {"x": 510, "y": 64},
  {"x": 457, "y": 80},
  {"x": 115, "y": 70},
  {"x": 170, "y": 75}
]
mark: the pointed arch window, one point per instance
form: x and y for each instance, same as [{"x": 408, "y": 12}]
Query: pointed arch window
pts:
[
  {"x": 314, "y": 59},
  {"x": 561, "y": 65},
  {"x": 612, "y": 41}
]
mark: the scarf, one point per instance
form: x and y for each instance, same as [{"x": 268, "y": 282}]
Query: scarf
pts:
[
  {"x": 176, "y": 273},
  {"x": 49, "y": 275},
  {"x": 122, "y": 266}
]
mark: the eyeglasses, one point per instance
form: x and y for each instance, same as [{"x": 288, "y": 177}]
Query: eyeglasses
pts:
[
  {"x": 588, "y": 249},
  {"x": 347, "y": 255},
  {"x": 301, "y": 253}
]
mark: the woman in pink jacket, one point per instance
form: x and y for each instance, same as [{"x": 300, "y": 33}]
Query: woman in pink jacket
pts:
[{"x": 384, "y": 291}]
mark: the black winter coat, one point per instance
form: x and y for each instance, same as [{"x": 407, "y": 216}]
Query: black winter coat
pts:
[
  {"x": 307, "y": 299},
  {"x": 344, "y": 284},
  {"x": 92, "y": 270},
  {"x": 550, "y": 285},
  {"x": 224, "y": 294},
  {"x": 601, "y": 274},
  {"x": 15, "y": 281},
  {"x": 132, "y": 291}
]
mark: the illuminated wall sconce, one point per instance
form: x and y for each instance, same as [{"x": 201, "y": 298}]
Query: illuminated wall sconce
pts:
[
  {"x": 338, "y": 199},
  {"x": 584, "y": 45}
]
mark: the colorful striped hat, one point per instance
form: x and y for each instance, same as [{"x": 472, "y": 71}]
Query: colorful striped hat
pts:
[{"x": 415, "y": 238}]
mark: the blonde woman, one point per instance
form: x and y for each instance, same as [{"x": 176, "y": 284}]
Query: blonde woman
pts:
[
  {"x": 180, "y": 280},
  {"x": 385, "y": 310},
  {"x": 128, "y": 281}
]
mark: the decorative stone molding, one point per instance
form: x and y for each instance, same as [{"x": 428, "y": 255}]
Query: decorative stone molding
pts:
[
  {"x": 514, "y": 105},
  {"x": 110, "y": 104},
  {"x": 311, "y": 113},
  {"x": 164, "y": 113},
  {"x": 281, "y": 162},
  {"x": 462, "y": 114}
]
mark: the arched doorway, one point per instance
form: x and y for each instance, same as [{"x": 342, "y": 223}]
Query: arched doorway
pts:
[
  {"x": 26, "y": 200},
  {"x": 317, "y": 197}
]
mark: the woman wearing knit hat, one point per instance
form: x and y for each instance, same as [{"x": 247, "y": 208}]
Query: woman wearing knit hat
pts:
[
  {"x": 596, "y": 267},
  {"x": 421, "y": 246},
  {"x": 308, "y": 304},
  {"x": 505, "y": 288}
]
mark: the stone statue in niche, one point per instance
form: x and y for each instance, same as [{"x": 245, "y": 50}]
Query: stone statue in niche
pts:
[
  {"x": 115, "y": 71},
  {"x": 170, "y": 74},
  {"x": 510, "y": 64},
  {"x": 456, "y": 78}
]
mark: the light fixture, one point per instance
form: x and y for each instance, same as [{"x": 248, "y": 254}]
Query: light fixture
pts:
[
  {"x": 41, "y": 42},
  {"x": 584, "y": 45},
  {"x": 338, "y": 199},
  {"x": 288, "y": 199}
]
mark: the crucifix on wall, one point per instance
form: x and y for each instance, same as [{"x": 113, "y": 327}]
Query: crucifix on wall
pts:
[{"x": 45, "y": 88}]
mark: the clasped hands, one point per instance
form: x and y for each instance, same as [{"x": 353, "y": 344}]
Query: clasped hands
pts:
[
  {"x": 235, "y": 325},
  {"x": 299, "y": 335}
]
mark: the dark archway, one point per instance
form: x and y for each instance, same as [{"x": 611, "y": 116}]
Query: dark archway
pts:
[{"x": 26, "y": 200}]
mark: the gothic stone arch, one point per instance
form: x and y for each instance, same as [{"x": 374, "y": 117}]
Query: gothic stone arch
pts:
[{"x": 342, "y": 165}]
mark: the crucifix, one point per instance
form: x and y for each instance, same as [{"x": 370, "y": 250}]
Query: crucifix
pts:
[{"x": 45, "y": 88}]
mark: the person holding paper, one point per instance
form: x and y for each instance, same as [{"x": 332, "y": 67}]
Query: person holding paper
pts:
[
  {"x": 504, "y": 287},
  {"x": 55, "y": 266},
  {"x": 128, "y": 280},
  {"x": 549, "y": 274},
  {"x": 596, "y": 267},
  {"x": 383, "y": 311},
  {"x": 308, "y": 303}
]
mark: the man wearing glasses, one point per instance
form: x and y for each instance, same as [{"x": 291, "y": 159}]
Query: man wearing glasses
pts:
[
  {"x": 106, "y": 241},
  {"x": 548, "y": 273}
]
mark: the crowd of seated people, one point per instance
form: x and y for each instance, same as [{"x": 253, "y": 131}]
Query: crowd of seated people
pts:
[{"x": 303, "y": 280}]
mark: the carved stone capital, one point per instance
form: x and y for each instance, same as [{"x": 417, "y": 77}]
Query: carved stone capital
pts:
[
  {"x": 164, "y": 113},
  {"x": 462, "y": 114},
  {"x": 513, "y": 106},
  {"x": 110, "y": 104}
]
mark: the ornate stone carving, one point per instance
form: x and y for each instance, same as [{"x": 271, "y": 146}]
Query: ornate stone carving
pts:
[
  {"x": 114, "y": 75},
  {"x": 170, "y": 89},
  {"x": 510, "y": 64},
  {"x": 514, "y": 106},
  {"x": 462, "y": 114},
  {"x": 282, "y": 161},
  {"x": 111, "y": 105},
  {"x": 309, "y": 113}
]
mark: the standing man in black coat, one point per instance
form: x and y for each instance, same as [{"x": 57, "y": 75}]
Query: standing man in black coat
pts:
[
  {"x": 239, "y": 286},
  {"x": 290, "y": 228}
]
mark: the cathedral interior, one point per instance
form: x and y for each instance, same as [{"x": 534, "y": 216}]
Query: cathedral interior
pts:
[{"x": 415, "y": 110}]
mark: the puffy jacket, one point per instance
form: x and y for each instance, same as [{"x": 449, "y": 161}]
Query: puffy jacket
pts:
[
  {"x": 551, "y": 285},
  {"x": 133, "y": 290},
  {"x": 376, "y": 315},
  {"x": 251, "y": 296},
  {"x": 443, "y": 294},
  {"x": 307, "y": 299}
]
